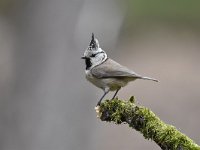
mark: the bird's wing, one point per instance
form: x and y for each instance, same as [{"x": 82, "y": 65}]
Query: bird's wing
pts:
[{"x": 110, "y": 68}]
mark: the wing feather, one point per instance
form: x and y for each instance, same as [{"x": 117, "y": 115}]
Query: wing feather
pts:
[{"x": 110, "y": 68}]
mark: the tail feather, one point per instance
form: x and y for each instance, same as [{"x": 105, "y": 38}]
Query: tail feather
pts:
[{"x": 147, "y": 78}]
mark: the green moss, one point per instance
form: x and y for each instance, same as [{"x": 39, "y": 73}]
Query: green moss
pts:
[{"x": 146, "y": 122}]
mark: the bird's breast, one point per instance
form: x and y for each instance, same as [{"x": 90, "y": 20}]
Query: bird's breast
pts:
[
  {"x": 97, "y": 82},
  {"x": 111, "y": 83}
]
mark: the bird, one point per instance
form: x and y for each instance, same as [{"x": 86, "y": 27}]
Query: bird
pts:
[{"x": 106, "y": 73}]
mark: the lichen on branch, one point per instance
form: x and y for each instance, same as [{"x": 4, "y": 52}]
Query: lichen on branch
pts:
[{"x": 146, "y": 122}]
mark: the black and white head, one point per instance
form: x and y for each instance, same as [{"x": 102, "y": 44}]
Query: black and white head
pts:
[{"x": 94, "y": 55}]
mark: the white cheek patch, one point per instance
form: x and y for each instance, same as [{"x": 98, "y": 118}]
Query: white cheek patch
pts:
[{"x": 103, "y": 57}]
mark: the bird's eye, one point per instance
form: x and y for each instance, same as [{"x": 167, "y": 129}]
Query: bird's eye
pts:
[{"x": 93, "y": 55}]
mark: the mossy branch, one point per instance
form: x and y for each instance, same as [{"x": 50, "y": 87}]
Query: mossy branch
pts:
[{"x": 146, "y": 122}]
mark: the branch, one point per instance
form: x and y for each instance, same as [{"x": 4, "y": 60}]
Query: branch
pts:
[{"x": 146, "y": 122}]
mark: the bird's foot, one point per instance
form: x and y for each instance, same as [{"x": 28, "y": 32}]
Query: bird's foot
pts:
[{"x": 97, "y": 109}]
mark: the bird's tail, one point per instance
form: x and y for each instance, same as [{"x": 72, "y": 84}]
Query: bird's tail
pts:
[{"x": 147, "y": 78}]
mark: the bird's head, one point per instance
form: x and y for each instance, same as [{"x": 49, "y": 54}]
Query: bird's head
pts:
[{"x": 94, "y": 55}]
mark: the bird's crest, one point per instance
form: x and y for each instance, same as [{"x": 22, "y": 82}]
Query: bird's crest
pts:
[{"x": 94, "y": 44}]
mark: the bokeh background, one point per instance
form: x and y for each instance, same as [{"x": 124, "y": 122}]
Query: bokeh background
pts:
[{"x": 45, "y": 101}]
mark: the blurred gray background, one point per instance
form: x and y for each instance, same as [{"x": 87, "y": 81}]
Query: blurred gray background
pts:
[{"x": 46, "y": 102}]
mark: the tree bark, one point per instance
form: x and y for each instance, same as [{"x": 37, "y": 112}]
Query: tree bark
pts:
[{"x": 146, "y": 122}]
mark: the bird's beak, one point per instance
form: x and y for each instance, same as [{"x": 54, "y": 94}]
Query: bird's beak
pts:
[{"x": 83, "y": 57}]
